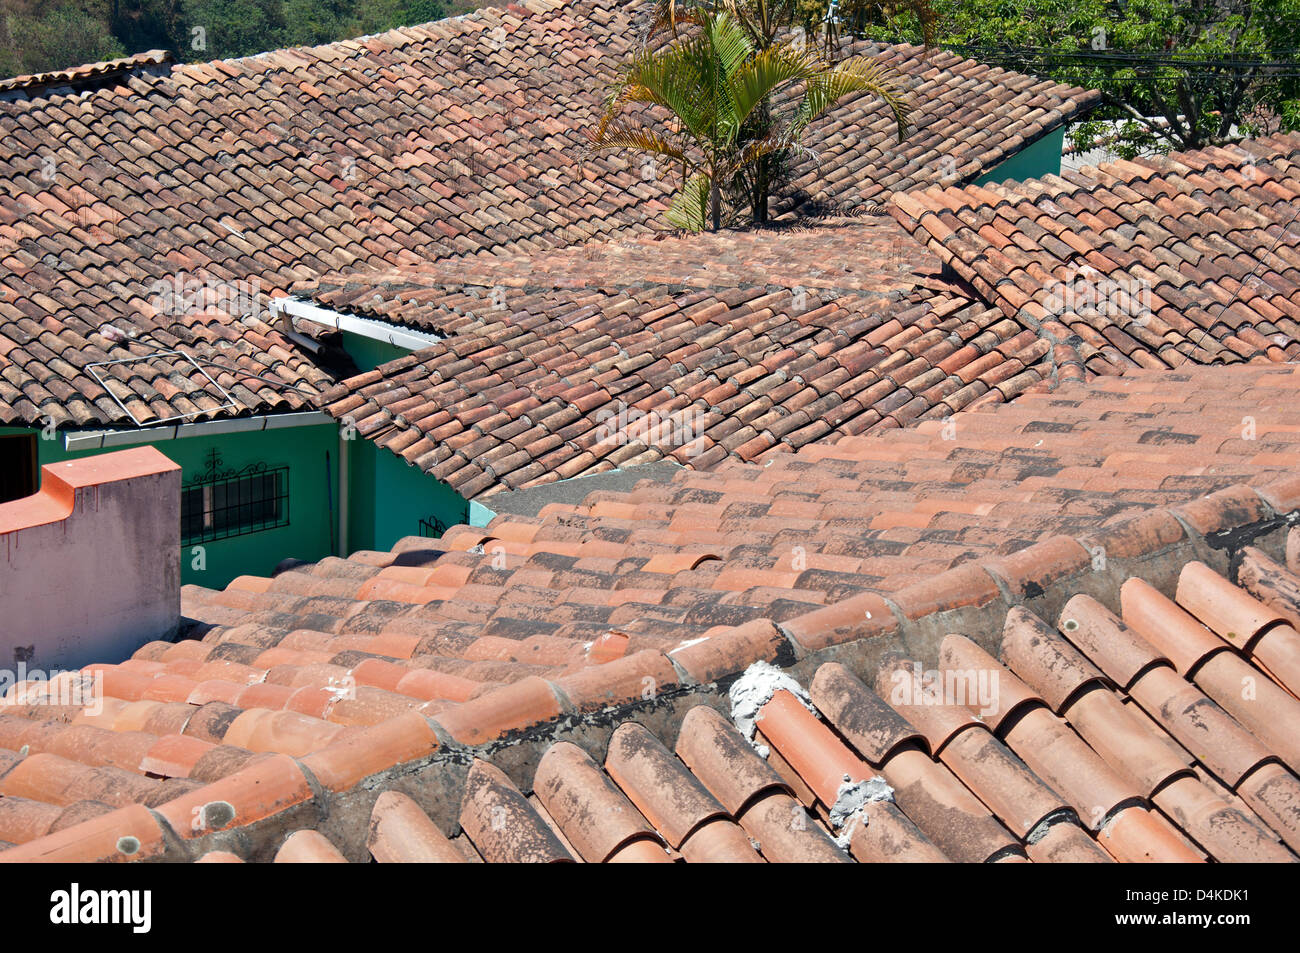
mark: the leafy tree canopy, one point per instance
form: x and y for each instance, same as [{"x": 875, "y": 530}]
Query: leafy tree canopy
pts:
[
  {"x": 1175, "y": 74},
  {"x": 40, "y": 35}
]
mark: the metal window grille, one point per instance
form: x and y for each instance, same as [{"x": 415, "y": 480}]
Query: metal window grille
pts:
[
  {"x": 234, "y": 504},
  {"x": 432, "y": 527}
]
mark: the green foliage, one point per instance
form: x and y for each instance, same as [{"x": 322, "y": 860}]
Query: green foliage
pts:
[
  {"x": 1175, "y": 74},
  {"x": 41, "y": 36},
  {"x": 38, "y": 35},
  {"x": 715, "y": 80}
]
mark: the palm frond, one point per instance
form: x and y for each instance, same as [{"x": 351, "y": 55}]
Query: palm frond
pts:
[
  {"x": 768, "y": 70},
  {"x": 856, "y": 75},
  {"x": 619, "y": 135},
  {"x": 675, "y": 79},
  {"x": 690, "y": 207}
]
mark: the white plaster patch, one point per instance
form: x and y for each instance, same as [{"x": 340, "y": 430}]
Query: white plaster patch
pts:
[
  {"x": 847, "y": 811},
  {"x": 754, "y": 689}
]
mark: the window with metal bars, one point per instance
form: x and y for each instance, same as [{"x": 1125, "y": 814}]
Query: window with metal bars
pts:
[{"x": 235, "y": 504}]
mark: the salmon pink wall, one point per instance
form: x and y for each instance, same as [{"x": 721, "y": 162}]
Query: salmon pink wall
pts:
[{"x": 91, "y": 565}]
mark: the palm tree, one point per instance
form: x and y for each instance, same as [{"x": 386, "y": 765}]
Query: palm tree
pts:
[{"x": 712, "y": 82}]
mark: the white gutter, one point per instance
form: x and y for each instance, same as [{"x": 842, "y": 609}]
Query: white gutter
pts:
[
  {"x": 365, "y": 327},
  {"x": 98, "y": 439}
]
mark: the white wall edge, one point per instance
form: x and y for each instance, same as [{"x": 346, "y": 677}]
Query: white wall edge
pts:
[{"x": 99, "y": 439}]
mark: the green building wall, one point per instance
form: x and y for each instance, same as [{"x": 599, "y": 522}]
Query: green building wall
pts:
[
  {"x": 367, "y": 353},
  {"x": 1042, "y": 157},
  {"x": 310, "y": 453},
  {"x": 388, "y": 498}
]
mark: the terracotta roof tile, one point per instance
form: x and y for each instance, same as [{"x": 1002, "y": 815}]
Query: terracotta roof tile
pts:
[
  {"x": 1139, "y": 745},
  {"x": 1144, "y": 282},
  {"x": 356, "y": 155}
]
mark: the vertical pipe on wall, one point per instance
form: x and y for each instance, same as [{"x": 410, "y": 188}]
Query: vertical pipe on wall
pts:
[{"x": 344, "y": 444}]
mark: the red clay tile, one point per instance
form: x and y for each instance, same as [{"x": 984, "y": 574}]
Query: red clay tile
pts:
[
  {"x": 938, "y": 709},
  {"x": 810, "y": 747},
  {"x": 174, "y": 756},
  {"x": 22, "y": 819},
  {"x": 343, "y": 763},
  {"x": 500, "y": 822},
  {"x": 256, "y": 791},
  {"x": 1030, "y": 571},
  {"x": 527, "y": 702},
  {"x": 785, "y": 833},
  {"x": 1062, "y": 759},
  {"x": 219, "y": 857},
  {"x": 642, "y": 851},
  {"x": 1170, "y": 630},
  {"x": 1116, "y": 649},
  {"x": 1272, "y": 794},
  {"x": 401, "y": 833},
  {"x": 129, "y": 833},
  {"x": 969, "y": 666},
  {"x": 889, "y": 836},
  {"x": 1221, "y": 606},
  {"x": 1136, "y": 835},
  {"x": 1046, "y": 661},
  {"x": 643, "y": 676},
  {"x": 718, "y": 754},
  {"x": 719, "y": 841},
  {"x": 941, "y": 806},
  {"x": 1218, "y": 826},
  {"x": 860, "y": 715},
  {"x": 859, "y": 617},
  {"x": 1066, "y": 843},
  {"x": 593, "y": 814},
  {"x": 966, "y": 586},
  {"x": 658, "y": 784},
  {"x": 308, "y": 847}
]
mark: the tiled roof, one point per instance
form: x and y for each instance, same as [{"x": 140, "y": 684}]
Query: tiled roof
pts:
[
  {"x": 464, "y": 661},
  {"x": 417, "y": 144},
  {"x": 545, "y": 352},
  {"x": 1211, "y": 234},
  {"x": 87, "y": 73},
  {"x": 783, "y": 338}
]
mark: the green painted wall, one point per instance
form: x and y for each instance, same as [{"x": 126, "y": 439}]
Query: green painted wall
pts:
[
  {"x": 368, "y": 353},
  {"x": 307, "y": 535},
  {"x": 388, "y": 498},
  {"x": 1041, "y": 158}
]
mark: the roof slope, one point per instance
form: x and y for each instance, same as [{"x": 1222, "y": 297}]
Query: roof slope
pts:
[
  {"x": 736, "y": 345},
  {"x": 1057, "y": 280},
  {"x": 417, "y": 144},
  {"x": 86, "y": 73},
  {"x": 449, "y": 676},
  {"x": 668, "y": 562},
  {"x": 1210, "y": 236}
]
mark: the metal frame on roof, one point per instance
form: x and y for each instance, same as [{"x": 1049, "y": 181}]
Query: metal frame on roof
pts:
[{"x": 229, "y": 401}]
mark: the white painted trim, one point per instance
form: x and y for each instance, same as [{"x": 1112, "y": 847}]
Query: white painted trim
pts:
[
  {"x": 99, "y": 439},
  {"x": 371, "y": 328}
]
